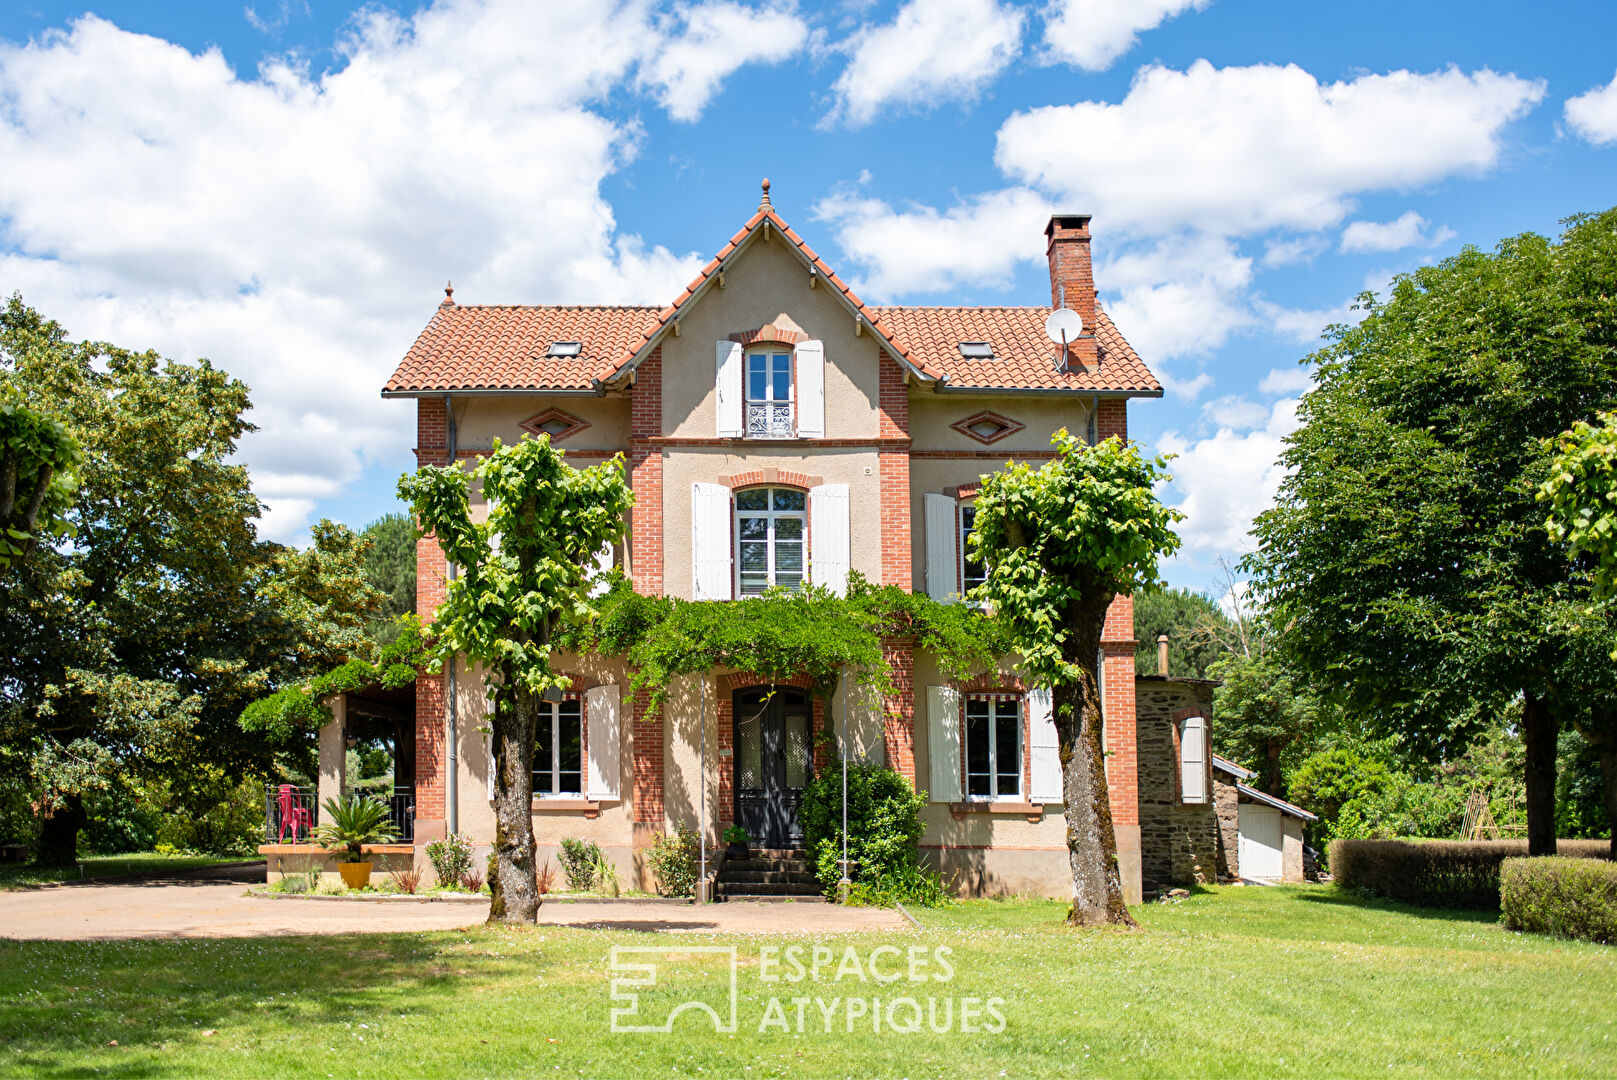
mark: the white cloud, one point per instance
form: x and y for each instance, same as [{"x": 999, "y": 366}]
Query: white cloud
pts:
[
  {"x": 297, "y": 227},
  {"x": 714, "y": 41},
  {"x": 935, "y": 51},
  {"x": 1292, "y": 380},
  {"x": 1184, "y": 389},
  {"x": 1179, "y": 297},
  {"x": 1408, "y": 230},
  {"x": 917, "y": 249},
  {"x": 1289, "y": 250},
  {"x": 1093, "y": 33},
  {"x": 1245, "y": 149},
  {"x": 1229, "y": 477},
  {"x": 1593, "y": 114},
  {"x": 1302, "y": 326},
  {"x": 1235, "y": 411}
]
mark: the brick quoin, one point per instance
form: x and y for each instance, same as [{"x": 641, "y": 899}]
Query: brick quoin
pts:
[
  {"x": 1112, "y": 418},
  {"x": 898, "y": 709},
  {"x": 646, "y": 477},
  {"x": 431, "y": 571},
  {"x": 646, "y": 734},
  {"x": 894, "y": 420},
  {"x": 430, "y": 751}
]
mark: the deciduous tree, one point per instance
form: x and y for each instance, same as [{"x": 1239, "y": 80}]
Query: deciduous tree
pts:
[
  {"x": 523, "y": 574},
  {"x": 1059, "y": 544}
]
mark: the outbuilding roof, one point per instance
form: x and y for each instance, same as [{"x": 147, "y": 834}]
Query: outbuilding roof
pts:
[{"x": 1279, "y": 804}]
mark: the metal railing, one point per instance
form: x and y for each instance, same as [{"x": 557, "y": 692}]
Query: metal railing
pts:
[
  {"x": 291, "y": 813},
  {"x": 769, "y": 420}
]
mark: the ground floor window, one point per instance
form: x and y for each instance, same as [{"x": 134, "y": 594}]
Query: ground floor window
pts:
[
  {"x": 993, "y": 746},
  {"x": 558, "y": 754}
]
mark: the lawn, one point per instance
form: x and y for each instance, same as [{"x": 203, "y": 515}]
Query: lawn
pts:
[
  {"x": 1231, "y": 982},
  {"x": 143, "y": 863}
]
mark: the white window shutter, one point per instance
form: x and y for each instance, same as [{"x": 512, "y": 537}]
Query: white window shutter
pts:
[
  {"x": 710, "y": 541},
  {"x": 943, "y": 743},
  {"x": 1193, "y": 761},
  {"x": 941, "y": 549},
  {"x": 728, "y": 383},
  {"x": 811, "y": 390},
  {"x": 605, "y": 737},
  {"x": 828, "y": 532},
  {"x": 602, "y": 570},
  {"x": 1046, "y": 748}
]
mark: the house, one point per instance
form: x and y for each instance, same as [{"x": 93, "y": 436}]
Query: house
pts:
[
  {"x": 1260, "y": 836},
  {"x": 778, "y": 430}
]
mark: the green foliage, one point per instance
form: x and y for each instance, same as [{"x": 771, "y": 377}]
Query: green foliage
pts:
[
  {"x": 121, "y": 818},
  {"x": 1084, "y": 527},
  {"x": 578, "y": 860},
  {"x": 1436, "y": 873},
  {"x": 735, "y": 834},
  {"x": 1579, "y": 809},
  {"x": 1581, "y": 491},
  {"x": 525, "y": 571},
  {"x": 884, "y": 824},
  {"x": 784, "y": 632},
  {"x": 355, "y": 821},
  {"x": 674, "y": 859},
  {"x": 302, "y": 707},
  {"x": 1565, "y": 898},
  {"x": 1189, "y": 619},
  {"x": 1329, "y": 779},
  {"x": 915, "y": 886},
  {"x": 1406, "y": 553},
  {"x": 390, "y": 566},
  {"x": 451, "y": 858},
  {"x": 1266, "y": 716},
  {"x": 37, "y": 462},
  {"x": 217, "y": 819}
]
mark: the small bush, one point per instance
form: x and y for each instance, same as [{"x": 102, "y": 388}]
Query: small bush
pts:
[
  {"x": 407, "y": 881},
  {"x": 578, "y": 859},
  {"x": 673, "y": 857},
  {"x": 913, "y": 885},
  {"x": 1437, "y": 873},
  {"x": 606, "y": 876},
  {"x": 884, "y": 824},
  {"x": 545, "y": 878},
  {"x": 1565, "y": 897},
  {"x": 451, "y": 858},
  {"x": 472, "y": 881}
]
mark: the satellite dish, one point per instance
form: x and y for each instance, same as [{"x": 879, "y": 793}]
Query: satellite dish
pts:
[{"x": 1063, "y": 326}]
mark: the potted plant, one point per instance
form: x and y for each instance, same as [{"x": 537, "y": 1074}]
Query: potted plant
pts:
[
  {"x": 355, "y": 822},
  {"x": 739, "y": 842}
]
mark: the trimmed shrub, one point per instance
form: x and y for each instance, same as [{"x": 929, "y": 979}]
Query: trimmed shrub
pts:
[
  {"x": 673, "y": 858},
  {"x": 1564, "y": 897},
  {"x": 884, "y": 825},
  {"x": 451, "y": 858},
  {"x": 1437, "y": 873},
  {"x": 578, "y": 859}
]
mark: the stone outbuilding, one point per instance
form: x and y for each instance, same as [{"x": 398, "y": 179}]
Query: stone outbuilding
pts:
[{"x": 1260, "y": 836}]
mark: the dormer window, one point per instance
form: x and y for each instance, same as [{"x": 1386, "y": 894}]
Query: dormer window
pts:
[
  {"x": 769, "y": 394},
  {"x": 976, "y": 350},
  {"x": 565, "y": 348}
]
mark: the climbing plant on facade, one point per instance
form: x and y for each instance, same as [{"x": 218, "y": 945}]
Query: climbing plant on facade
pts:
[{"x": 1059, "y": 544}]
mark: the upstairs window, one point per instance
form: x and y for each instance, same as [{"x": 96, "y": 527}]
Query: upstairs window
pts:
[
  {"x": 769, "y": 395},
  {"x": 993, "y": 746},
  {"x": 558, "y": 752},
  {"x": 771, "y": 527},
  {"x": 972, "y": 572}
]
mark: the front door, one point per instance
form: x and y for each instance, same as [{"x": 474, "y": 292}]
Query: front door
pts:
[{"x": 772, "y": 758}]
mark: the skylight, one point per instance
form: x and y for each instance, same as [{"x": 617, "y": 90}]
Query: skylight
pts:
[
  {"x": 976, "y": 350},
  {"x": 565, "y": 348}
]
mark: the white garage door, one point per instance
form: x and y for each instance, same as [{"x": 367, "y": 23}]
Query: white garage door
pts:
[{"x": 1261, "y": 843}]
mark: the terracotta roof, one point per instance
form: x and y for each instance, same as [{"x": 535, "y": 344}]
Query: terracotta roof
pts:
[
  {"x": 1024, "y": 358},
  {"x": 473, "y": 347},
  {"x": 503, "y": 347}
]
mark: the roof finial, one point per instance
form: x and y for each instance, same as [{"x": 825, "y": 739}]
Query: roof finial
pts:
[
  {"x": 449, "y": 292},
  {"x": 763, "y": 204}
]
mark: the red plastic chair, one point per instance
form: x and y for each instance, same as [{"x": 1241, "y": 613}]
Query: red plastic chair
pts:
[{"x": 292, "y": 814}]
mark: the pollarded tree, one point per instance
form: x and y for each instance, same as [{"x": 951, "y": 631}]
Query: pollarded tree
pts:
[
  {"x": 1059, "y": 544},
  {"x": 523, "y": 575}
]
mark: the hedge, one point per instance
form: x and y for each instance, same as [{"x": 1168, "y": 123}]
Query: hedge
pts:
[
  {"x": 1438, "y": 873},
  {"x": 1572, "y": 898}
]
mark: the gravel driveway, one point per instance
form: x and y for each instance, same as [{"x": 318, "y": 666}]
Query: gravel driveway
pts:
[{"x": 209, "y": 907}]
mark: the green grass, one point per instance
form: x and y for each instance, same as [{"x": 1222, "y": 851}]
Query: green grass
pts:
[
  {"x": 147, "y": 863},
  {"x": 1232, "y": 982}
]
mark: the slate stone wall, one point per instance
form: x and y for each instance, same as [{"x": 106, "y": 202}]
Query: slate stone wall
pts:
[{"x": 1179, "y": 842}]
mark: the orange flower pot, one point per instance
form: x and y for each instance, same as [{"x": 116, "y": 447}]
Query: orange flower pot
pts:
[{"x": 355, "y": 875}]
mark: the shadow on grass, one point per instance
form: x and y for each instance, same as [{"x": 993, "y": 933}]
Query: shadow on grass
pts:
[
  {"x": 1344, "y": 898},
  {"x": 63, "y": 1004}
]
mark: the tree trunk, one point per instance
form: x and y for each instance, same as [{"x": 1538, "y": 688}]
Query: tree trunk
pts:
[
  {"x": 1097, "y": 884},
  {"x": 1541, "y": 728},
  {"x": 513, "y": 883},
  {"x": 1600, "y": 731},
  {"x": 59, "y": 833}
]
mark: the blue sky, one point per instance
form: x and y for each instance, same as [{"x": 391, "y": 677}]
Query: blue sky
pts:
[{"x": 285, "y": 187}]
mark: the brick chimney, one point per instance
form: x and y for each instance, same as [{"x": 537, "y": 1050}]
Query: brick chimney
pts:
[{"x": 1072, "y": 280}]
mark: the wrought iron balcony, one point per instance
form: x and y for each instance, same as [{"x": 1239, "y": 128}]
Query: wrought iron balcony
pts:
[{"x": 769, "y": 420}]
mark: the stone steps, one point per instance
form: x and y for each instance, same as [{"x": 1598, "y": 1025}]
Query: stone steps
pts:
[{"x": 769, "y": 874}]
